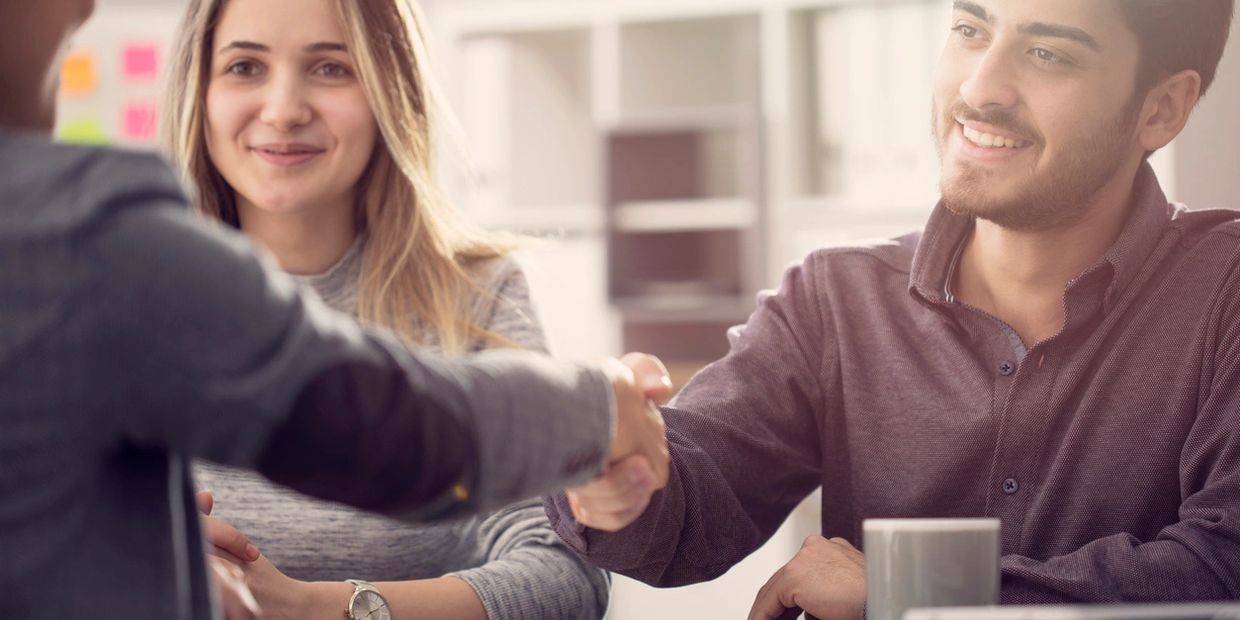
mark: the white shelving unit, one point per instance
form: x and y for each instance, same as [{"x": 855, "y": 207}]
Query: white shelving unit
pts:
[{"x": 705, "y": 144}]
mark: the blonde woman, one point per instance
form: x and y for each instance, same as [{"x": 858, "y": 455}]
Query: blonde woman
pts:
[{"x": 308, "y": 125}]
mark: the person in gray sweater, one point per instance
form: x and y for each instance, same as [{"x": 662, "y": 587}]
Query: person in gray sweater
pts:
[
  {"x": 132, "y": 337},
  {"x": 511, "y": 558},
  {"x": 318, "y": 146}
]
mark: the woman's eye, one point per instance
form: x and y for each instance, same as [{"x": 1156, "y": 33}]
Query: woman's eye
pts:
[
  {"x": 334, "y": 70},
  {"x": 243, "y": 68}
]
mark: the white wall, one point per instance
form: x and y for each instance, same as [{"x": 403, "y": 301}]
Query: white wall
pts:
[{"x": 1208, "y": 150}]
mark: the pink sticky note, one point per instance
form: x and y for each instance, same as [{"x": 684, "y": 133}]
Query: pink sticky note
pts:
[
  {"x": 138, "y": 122},
  {"x": 140, "y": 61}
]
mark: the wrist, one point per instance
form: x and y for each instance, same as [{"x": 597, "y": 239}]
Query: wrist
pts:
[{"x": 325, "y": 599}]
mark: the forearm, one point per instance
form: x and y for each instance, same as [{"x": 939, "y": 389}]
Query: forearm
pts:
[
  {"x": 448, "y": 437},
  {"x": 696, "y": 528},
  {"x": 540, "y": 583},
  {"x": 1183, "y": 566},
  {"x": 444, "y": 598}
]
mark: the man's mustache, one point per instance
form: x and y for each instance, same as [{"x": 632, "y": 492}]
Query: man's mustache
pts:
[{"x": 1003, "y": 120}]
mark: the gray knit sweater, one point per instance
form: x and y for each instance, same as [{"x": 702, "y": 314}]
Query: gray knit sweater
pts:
[{"x": 512, "y": 558}]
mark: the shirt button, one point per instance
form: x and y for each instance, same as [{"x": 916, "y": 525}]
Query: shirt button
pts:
[
  {"x": 1010, "y": 486},
  {"x": 1007, "y": 368}
]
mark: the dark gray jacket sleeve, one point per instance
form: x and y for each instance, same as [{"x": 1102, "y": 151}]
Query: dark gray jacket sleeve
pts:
[{"x": 210, "y": 351}]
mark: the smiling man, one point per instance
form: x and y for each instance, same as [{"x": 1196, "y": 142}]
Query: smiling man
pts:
[{"x": 1059, "y": 348}]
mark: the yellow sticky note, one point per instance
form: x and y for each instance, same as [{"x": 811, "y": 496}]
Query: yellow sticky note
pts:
[
  {"x": 83, "y": 131},
  {"x": 78, "y": 74}
]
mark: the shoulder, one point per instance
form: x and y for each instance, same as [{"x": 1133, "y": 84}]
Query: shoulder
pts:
[
  {"x": 1199, "y": 225},
  {"x": 496, "y": 274},
  {"x": 505, "y": 306},
  {"x": 50, "y": 186},
  {"x": 1210, "y": 241},
  {"x": 856, "y": 265},
  {"x": 894, "y": 255},
  {"x": 501, "y": 283}
]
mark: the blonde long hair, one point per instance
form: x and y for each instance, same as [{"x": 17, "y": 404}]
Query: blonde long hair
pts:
[{"x": 415, "y": 266}]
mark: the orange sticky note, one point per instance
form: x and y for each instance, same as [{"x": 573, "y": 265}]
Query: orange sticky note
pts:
[
  {"x": 138, "y": 122},
  {"x": 140, "y": 61},
  {"x": 78, "y": 75}
]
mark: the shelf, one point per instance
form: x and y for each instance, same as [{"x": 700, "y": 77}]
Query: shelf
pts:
[
  {"x": 825, "y": 209},
  {"x": 568, "y": 220},
  {"x": 696, "y": 342},
  {"x": 654, "y": 216},
  {"x": 677, "y": 264},
  {"x": 671, "y": 308},
  {"x": 726, "y": 117}
]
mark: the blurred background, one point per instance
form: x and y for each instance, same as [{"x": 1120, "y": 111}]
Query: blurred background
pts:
[{"x": 677, "y": 155}]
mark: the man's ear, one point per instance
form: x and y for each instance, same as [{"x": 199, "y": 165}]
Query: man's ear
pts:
[{"x": 1167, "y": 108}]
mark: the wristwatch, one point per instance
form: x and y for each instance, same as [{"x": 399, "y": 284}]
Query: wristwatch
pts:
[{"x": 366, "y": 603}]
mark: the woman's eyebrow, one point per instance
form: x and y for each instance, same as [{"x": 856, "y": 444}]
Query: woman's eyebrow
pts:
[{"x": 322, "y": 46}]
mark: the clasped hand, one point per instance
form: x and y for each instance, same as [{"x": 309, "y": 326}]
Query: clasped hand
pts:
[{"x": 638, "y": 461}]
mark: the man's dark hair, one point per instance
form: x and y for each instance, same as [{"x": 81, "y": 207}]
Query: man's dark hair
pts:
[{"x": 1176, "y": 35}]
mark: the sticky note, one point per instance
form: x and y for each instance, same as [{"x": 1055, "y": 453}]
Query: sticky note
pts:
[
  {"x": 138, "y": 121},
  {"x": 140, "y": 61},
  {"x": 83, "y": 131},
  {"x": 78, "y": 74}
]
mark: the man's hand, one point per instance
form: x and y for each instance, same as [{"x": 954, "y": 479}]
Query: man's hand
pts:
[
  {"x": 638, "y": 460},
  {"x": 226, "y": 540},
  {"x": 228, "y": 581},
  {"x": 638, "y": 381},
  {"x": 826, "y": 579}
]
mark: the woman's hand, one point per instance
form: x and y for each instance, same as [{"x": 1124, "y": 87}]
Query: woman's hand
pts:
[
  {"x": 278, "y": 595},
  {"x": 227, "y": 540},
  {"x": 234, "y": 598},
  {"x": 283, "y": 598}
]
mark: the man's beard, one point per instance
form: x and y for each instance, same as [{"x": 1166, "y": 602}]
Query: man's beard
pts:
[{"x": 1057, "y": 197}]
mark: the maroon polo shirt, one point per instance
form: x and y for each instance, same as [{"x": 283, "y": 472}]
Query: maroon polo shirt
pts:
[{"x": 1111, "y": 452}]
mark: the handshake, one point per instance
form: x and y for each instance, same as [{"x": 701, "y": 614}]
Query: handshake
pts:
[{"x": 637, "y": 463}]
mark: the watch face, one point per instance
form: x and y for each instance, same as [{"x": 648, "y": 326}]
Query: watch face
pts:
[{"x": 368, "y": 605}]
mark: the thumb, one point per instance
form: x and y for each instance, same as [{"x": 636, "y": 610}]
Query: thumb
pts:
[
  {"x": 650, "y": 374},
  {"x": 206, "y": 502}
]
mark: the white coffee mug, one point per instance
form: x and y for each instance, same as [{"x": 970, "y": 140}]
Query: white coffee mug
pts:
[{"x": 929, "y": 563}]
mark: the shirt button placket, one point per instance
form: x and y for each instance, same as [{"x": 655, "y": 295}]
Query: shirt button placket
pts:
[
  {"x": 1010, "y": 486},
  {"x": 1006, "y": 368}
]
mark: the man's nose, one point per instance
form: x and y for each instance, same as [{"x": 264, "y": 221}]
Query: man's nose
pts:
[{"x": 992, "y": 82}]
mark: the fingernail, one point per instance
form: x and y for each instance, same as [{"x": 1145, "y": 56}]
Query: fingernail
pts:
[{"x": 251, "y": 551}]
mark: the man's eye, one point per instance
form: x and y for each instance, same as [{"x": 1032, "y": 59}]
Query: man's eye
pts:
[
  {"x": 1048, "y": 57},
  {"x": 965, "y": 31}
]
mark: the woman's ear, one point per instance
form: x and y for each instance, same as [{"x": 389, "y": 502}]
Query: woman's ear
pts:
[{"x": 1167, "y": 108}]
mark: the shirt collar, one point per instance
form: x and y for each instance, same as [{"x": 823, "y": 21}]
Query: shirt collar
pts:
[
  {"x": 938, "y": 253},
  {"x": 1148, "y": 220}
]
